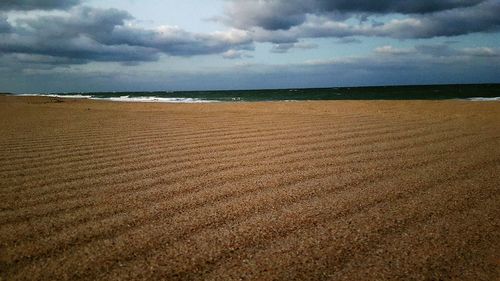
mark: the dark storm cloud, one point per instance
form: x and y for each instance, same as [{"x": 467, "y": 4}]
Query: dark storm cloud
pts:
[
  {"x": 286, "y": 22},
  {"x": 394, "y": 6},
  {"x": 459, "y": 21},
  {"x": 91, "y": 34},
  {"x": 7, "y": 5},
  {"x": 481, "y": 18},
  {"x": 284, "y": 14},
  {"x": 4, "y": 25},
  {"x": 96, "y": 24},
  {"x": 74, "y": 36}
]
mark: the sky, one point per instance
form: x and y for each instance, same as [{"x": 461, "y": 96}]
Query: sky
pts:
[{"x": 154, "y": 45}]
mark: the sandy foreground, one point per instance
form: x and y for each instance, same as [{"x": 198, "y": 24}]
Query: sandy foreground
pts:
[{"x": 338, "y": 190}]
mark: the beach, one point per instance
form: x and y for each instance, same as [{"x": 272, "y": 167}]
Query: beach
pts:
[{"x": 315, "y": 190}]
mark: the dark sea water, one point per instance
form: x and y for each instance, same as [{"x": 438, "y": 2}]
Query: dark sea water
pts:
[{"x": 428, "y": 92}]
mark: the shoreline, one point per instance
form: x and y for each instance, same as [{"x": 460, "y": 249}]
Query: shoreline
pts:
[{"x": 154, "y": 99}]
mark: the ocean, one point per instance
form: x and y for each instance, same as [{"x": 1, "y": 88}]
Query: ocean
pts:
[{"x": 474, "y": 92}]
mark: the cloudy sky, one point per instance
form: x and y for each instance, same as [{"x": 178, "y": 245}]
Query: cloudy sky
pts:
[{"x": 147, "y": 45}]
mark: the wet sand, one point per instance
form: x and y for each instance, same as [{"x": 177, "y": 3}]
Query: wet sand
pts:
[{"x": 337, "y": 190}]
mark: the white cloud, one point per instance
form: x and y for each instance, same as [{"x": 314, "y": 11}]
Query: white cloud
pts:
[
  {"x": 235, "y": 54},
  {"x": 482, "y": 52},
  {"x": 390, "y": 50}
]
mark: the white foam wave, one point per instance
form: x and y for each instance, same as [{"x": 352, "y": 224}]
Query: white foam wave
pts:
[
  {"x": 79, "y": 96},
  {"x": 157, "y": 99},
  {"x": 485, "y": 99},
  {"x": 125, "y": 98}
]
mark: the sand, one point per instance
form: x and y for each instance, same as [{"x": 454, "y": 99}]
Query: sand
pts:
[{"x": 337, "y": 190}]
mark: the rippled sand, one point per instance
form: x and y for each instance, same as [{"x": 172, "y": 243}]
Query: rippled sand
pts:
[{"x": 264, "y": 191}]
